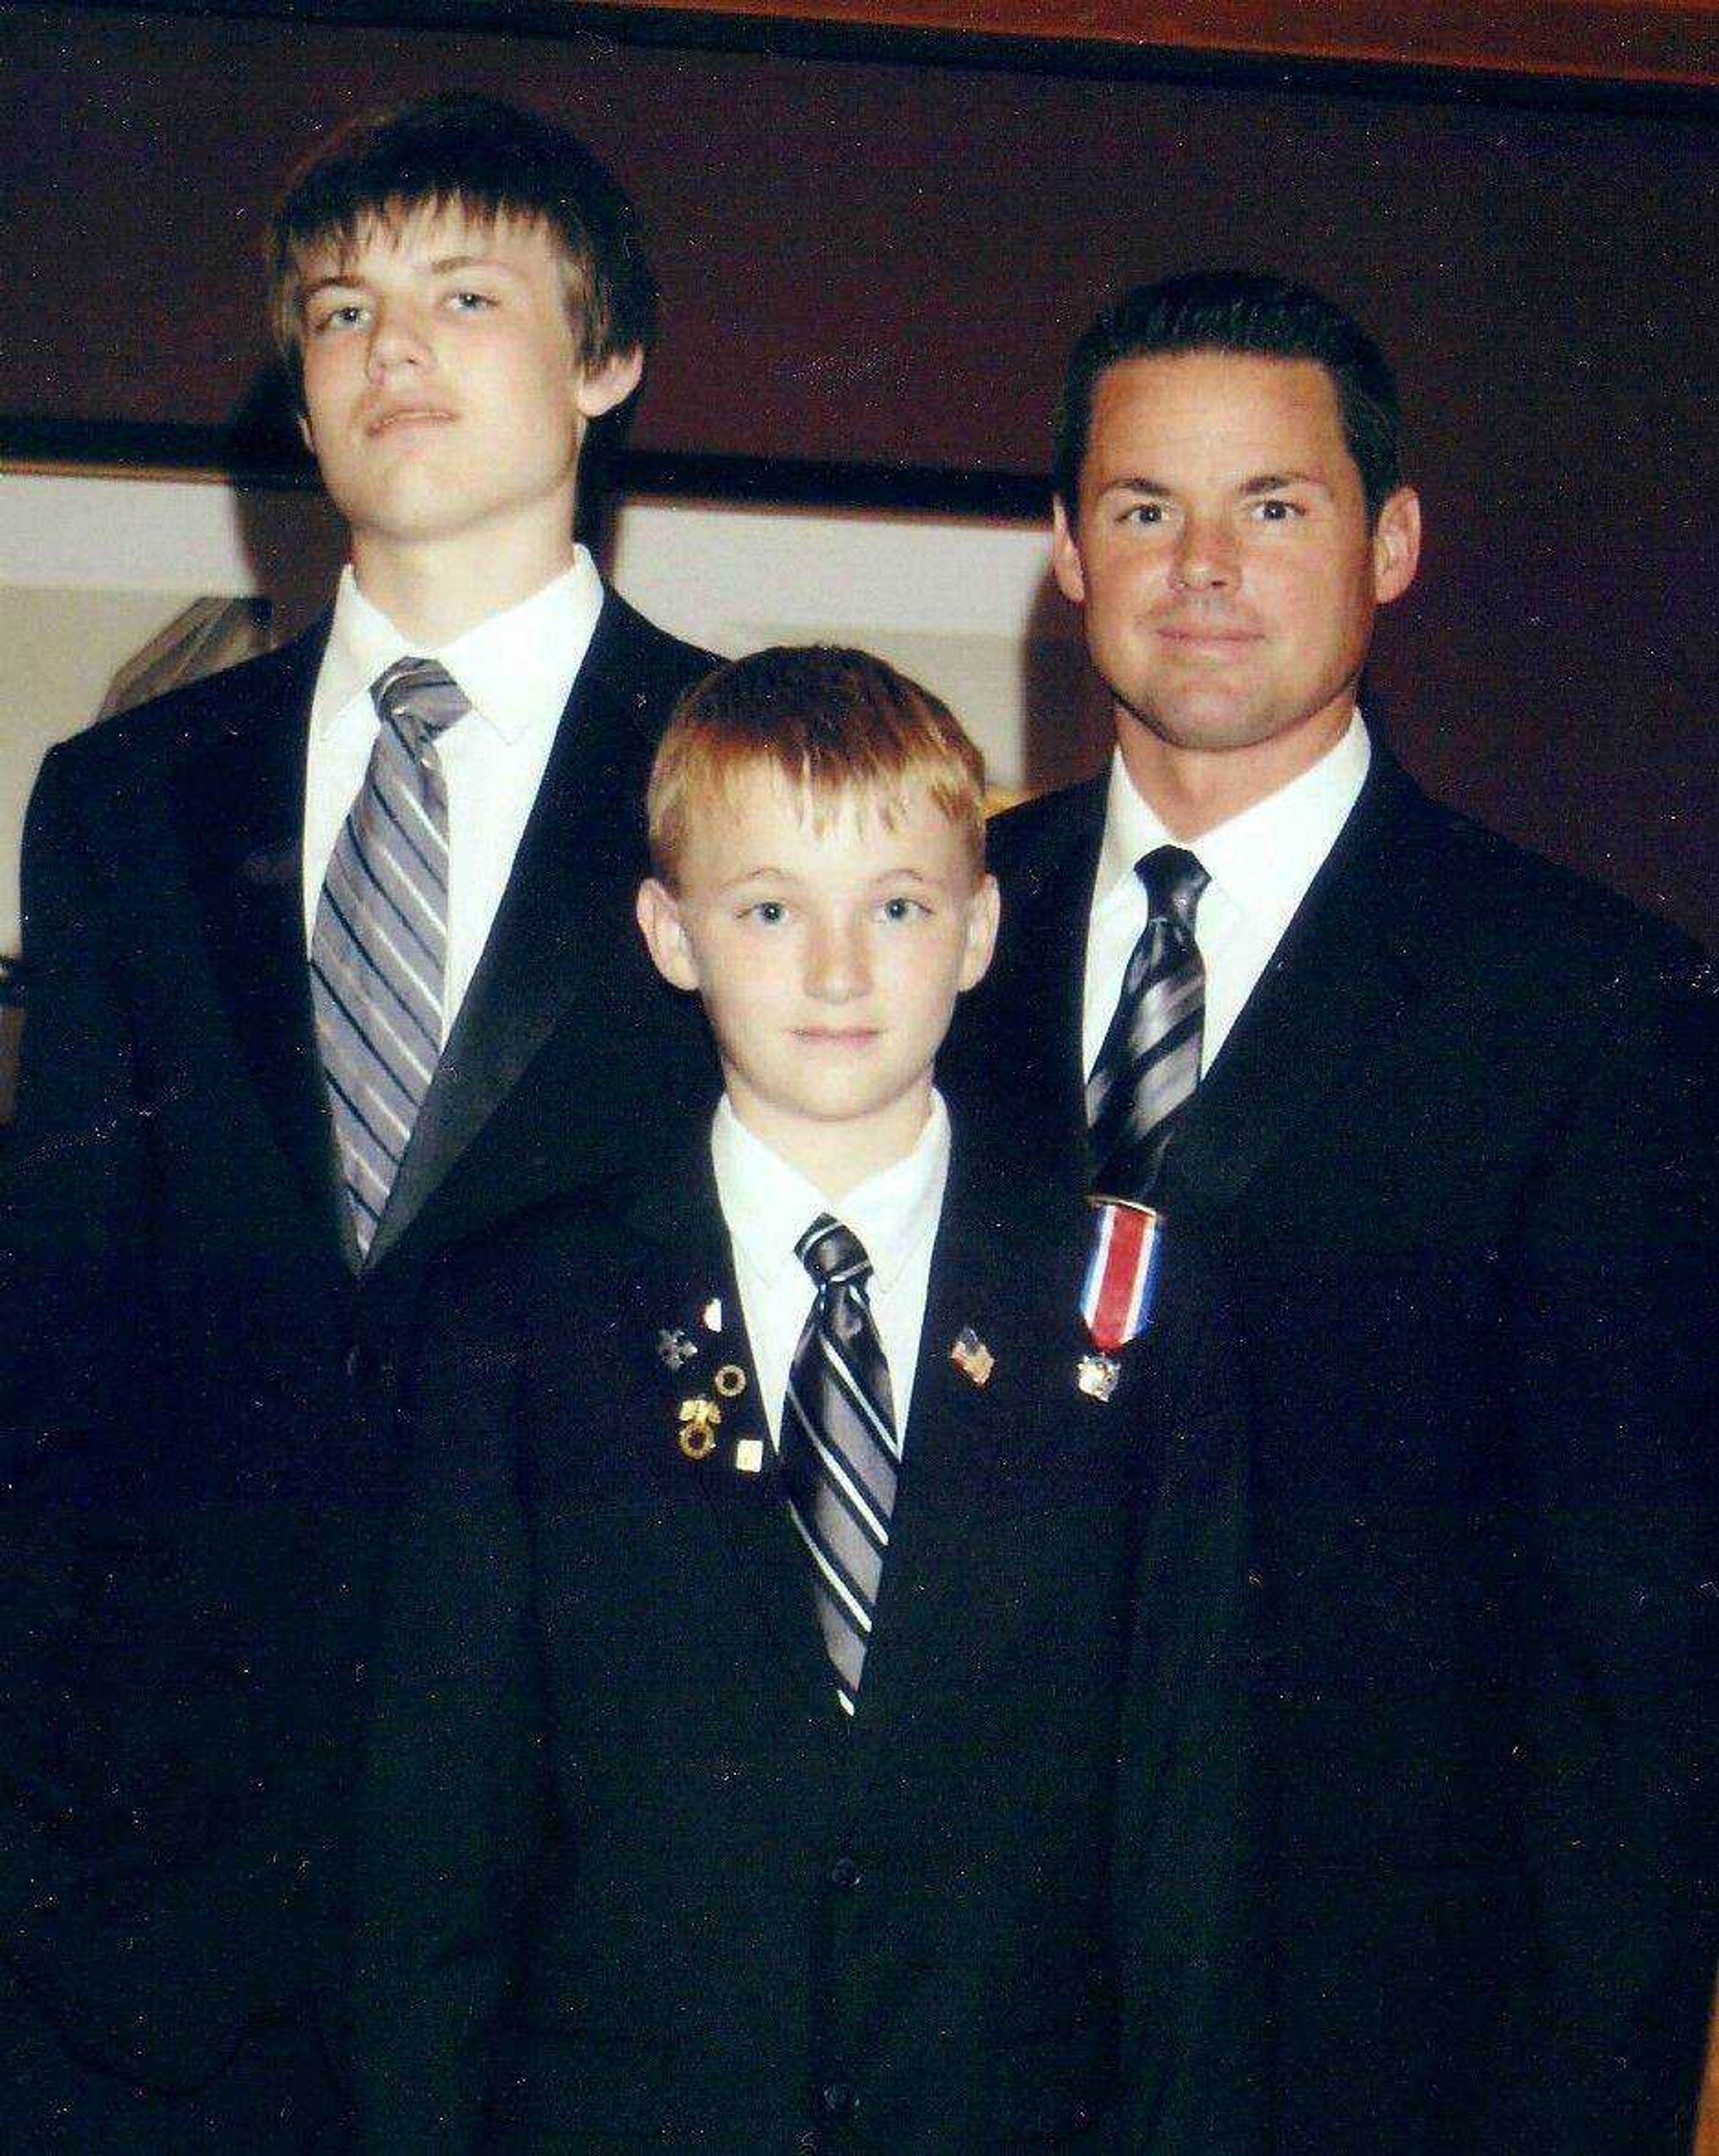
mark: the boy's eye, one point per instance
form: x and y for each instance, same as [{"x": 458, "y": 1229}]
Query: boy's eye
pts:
[
  {"x": 469, "y": 303},
  {"x": 906, "y": 909},
  {"x": 342, "y": 317},
  {"x": 769, "y": 910},
  {"x": 1273, "y": 509}
]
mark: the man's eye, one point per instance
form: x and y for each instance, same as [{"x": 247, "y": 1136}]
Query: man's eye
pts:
[
  {"x": 1273, "y": 511},
  {"x": 341, "y": 317},
  {"x": 905, "y": 909},
  {"x": 769, "y": 910},
  {"x": 1144, "y": 512},
  {"x": 470, "y": 303}
]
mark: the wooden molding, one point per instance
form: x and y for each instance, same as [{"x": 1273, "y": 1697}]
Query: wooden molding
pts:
[
  {"x": 1610, "y": 40},
  {"x": 1670, "y": 43}
]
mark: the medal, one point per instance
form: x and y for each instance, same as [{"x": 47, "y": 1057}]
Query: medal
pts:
[{"x": 1121, "y": 1284}]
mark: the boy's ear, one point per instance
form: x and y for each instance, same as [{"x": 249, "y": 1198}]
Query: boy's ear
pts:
[
  {"x": 658, "y": 916},
  {"x": 984, "y": 909},
  {"x": 610, "y": 382}
]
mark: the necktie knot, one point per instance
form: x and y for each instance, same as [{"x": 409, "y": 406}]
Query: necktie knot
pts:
[
  {"x": 834, "y": 1255},
  {"x": 420, "y": 699},
  {"x": 1174, "y": 882}
]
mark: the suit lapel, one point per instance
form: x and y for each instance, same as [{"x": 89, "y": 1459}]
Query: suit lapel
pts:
[
  {"x": 1024, "y": 1020},
  {"x": 1342, "y": 977},
  {"x": 994, "y": 1243},
  {"x": 241, "y": 811},
  {"x": 562, "y": 938},
  {"x": 696, "y": 1305}
]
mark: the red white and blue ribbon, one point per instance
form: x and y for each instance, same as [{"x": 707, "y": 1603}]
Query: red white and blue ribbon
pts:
[{"x": 1122, "y": 1273}]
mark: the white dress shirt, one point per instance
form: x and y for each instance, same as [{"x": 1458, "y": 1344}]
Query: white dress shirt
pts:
[
  {"x": 1261, "y": 864},
  {"x": 768, "y": 1206},
  {"x": 517, "y": 670}
]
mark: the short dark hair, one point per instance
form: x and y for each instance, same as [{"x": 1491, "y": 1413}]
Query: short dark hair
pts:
[
  {"x": 491, "y": 160},
  {"x": 1246, "y": 312}
]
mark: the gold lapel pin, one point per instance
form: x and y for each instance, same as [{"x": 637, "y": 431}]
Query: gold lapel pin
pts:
[
  {"x": 972, "y": 1356},
  {"x": 730, "y": 1381},
  {"x": 699, "y": 1418}
]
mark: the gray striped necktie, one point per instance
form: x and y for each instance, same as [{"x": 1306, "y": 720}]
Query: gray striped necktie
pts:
[
  {"x": 1149, "y": 1065},
  {"x": 839, "y": 1452},
  {"x": 379, "y": 948}
]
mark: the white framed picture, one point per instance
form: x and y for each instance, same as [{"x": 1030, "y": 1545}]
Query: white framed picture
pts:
[{"x": 114, "y": 587}]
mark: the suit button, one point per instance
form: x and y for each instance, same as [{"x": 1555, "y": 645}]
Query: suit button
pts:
[
  {"x": 844, "y": 1873},
  {"x": 839, "y": 2099}
]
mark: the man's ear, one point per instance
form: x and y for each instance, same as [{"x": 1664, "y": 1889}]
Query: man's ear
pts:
[
  {"x": 1396, "y": 545},
  {"x": 984, "y": 909},
  {"x": 658, "y": 912},
  {"x": 1065, "y": 557},
  {"x": 610, "y": 382}
]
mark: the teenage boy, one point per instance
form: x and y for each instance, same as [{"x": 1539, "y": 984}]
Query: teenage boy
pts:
[
  {"x": 329, "y": 963},
  {"x": 1447, "y": 1112},
  {"x": 804, "y": 1720}
]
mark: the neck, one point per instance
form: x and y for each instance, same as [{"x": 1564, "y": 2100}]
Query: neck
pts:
[
  {"x": 435, "y": 590},
  {"x": 1192, "y": 791},
  {"x": 836, "y": 1157}
]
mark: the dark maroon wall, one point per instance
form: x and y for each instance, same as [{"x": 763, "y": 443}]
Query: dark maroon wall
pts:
[{"x": 880, "y": 263}]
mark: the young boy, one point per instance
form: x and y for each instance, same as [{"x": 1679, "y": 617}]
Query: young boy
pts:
[
  {"x": 329, "y": 962},
  {"x": 803, "y": 1720}
]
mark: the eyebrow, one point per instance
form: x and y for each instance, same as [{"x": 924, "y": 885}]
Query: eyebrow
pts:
[
  {"x": 1275, "y": 482},
  {"x": 1261, "y": 483},
  {"x": 344, "y": 279}
]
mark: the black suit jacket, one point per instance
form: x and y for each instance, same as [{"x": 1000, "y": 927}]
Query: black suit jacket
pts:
[
  {"x": 1456, "y": 1153},
  {"x": 194, "y": 1458},
  {"x": 739, "y": 1919}
]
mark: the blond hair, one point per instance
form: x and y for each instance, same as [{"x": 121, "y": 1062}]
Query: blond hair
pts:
[{"x": 834, "y": 723}]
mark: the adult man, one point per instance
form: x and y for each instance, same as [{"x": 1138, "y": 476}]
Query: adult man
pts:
[
  {"x": 329, "y": 966},
  {"x": 1440, "y": 1105}
]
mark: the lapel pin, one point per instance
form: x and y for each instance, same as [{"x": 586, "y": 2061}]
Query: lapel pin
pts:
[
  {"x": 699, "y": 1418},
  {"x": 1117, "y": 1293},
  {"x": 711, "y": 1317},
  {"x": 673, "y": 1348},
  {"x": 972, "y": 1356},
  {"x": 730, "y": 1381},
  {"x": 748, "y": 1455}
]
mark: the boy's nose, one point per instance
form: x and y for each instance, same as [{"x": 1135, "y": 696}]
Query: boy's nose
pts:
[
  {"x": 836, "y": 965},
  {"x": 398, "y": 340}
]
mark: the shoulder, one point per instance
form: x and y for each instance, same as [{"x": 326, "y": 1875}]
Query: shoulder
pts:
[
  {"x": 1513, "y": 917},
  {"x": 135, "y": 748},
  {"x": 1033, "y": 835},
  {"x": 645, "y": 662},
  {"x": 564, "y": 1267}
]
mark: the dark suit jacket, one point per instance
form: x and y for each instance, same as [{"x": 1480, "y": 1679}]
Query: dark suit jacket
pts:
[
  {"x": 1456, "y": 1155},
  {"x": 742, "y": 1920},
  {"x": 193, "y": 1458}
]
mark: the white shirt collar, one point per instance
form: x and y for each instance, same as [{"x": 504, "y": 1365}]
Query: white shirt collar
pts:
[
  {"x": 515, "y": 668},
  {"x": 768, "y": 1205},
  {"x": 1261, "y": 861}
]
